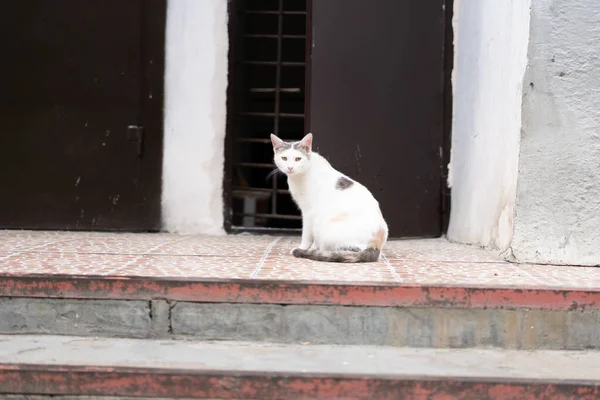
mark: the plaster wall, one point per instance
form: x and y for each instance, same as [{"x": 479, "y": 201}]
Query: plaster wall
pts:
[
  {"x": 195, "y": 116},
  {"x": 558, "y": 197},
  {"x": 491, "y": 39}
]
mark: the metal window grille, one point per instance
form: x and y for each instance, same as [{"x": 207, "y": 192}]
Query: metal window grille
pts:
[{"x": 270, "y": 63}]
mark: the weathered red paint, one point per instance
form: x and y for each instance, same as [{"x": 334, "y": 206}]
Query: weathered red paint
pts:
[
  {"x": 147, "y": 382},
  {"x": 281, "y": 292}
]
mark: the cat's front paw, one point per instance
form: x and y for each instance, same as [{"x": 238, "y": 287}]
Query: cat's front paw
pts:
[
  {"x": 300, "y": 248},
  {"x": 297, "y": 252}
]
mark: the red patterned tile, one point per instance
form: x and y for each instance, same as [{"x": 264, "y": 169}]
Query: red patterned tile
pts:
[
  {"x": 242, "y": 245},
  {"x": 33, "y": 240},
  {"x": 61, "y": 263},
  {"x": 437, "y": 250},
  {"x": 135, "y": 243},
  {"x": 118, "y": 243},
  {"x": 191, "y": 267},
  {"x": 290, "y": 268},
  {"x": 127, "y": 265},
  {"x": 495, "y": 274},
  {"x": 420, "y": 262},
  {"x": 422, "y": 249},
  {"x": 284, "y": 246}
]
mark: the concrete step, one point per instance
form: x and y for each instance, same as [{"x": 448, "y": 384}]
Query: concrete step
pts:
[
  {"x": 63, "y": 365},
  {"x": 52, "y": 397},
  {"x": 389, "y": 314}
]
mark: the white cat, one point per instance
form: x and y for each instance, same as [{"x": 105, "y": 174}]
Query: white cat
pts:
[{"x": 341, "y": 220}]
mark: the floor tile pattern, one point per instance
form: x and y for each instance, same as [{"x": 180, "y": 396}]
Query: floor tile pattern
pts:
[{"x": 244, "y": 256}]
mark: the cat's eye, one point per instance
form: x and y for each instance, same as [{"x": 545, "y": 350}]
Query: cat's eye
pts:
[
  {"x": 298, "y": 159},
  {"x": 284, "y": 158}
]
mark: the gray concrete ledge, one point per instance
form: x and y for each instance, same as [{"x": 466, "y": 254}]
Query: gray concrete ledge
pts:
[{"x": 413, "y": 327}]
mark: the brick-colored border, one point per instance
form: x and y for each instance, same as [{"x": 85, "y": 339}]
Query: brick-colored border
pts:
[
  {"x": 140, "y": 382},
  {"x": 281, "y": 292}
]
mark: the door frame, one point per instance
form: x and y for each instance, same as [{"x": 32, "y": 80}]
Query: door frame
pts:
[
  {"x": 153, "y": 27},
  {"x": 448, "y": 98}
]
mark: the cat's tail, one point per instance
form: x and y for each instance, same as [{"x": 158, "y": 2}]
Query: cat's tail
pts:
[
  {"x": 370, "y": 254},
  {"x": 343, "y": 256}
]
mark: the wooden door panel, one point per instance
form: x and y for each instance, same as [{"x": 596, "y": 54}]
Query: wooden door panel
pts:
[
  {"x": 376, "y": 107},
  {"x": 75, "y": 79}
]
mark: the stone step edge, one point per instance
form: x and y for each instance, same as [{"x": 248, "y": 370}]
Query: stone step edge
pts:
[
  {"x": 164, "y": 383},
  {"x": 70, "y": 365},
  {"x": 297, "y": 292}
]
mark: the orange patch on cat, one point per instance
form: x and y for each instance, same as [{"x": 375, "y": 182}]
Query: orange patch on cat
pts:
[
  {"x": 340, "y": 217},
  {"x": 378, "y": 239}
]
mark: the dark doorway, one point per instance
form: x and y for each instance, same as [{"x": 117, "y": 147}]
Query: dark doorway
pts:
[
  {"x": 81, "y": 120},
  {"x": 377, "y": 103},
  {"x": 376, "y": 94}
]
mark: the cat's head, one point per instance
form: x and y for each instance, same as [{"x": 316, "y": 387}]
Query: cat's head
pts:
[{"x": 292, "y": 158}]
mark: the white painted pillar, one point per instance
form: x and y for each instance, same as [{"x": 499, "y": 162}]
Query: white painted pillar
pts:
[{"x": 195, "y": 116}]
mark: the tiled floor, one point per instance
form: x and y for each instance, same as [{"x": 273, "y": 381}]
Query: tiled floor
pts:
[{"x": 425, "y": 262}]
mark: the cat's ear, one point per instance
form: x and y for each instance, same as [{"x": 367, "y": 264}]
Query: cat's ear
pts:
[
  {"x": 306, "y": 143},
  {"x": 278, "y": 144}
]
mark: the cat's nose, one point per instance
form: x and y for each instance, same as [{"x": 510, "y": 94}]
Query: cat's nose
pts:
[{"x": 290, "y": 168}]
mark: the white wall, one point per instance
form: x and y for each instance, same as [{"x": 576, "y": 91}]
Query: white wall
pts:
[
  {"x": 195, "y": 112},
  {"x": 558, "y": 204},
  {"x": 491, "y": 38}
]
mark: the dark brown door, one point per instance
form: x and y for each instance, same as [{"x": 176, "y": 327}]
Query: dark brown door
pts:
[
  {"x": 376, "y": 103},
  {"x": 77, "y": 78}
]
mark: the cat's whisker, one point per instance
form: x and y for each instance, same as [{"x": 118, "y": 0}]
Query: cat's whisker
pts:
[{"x": 273, "y": 173}]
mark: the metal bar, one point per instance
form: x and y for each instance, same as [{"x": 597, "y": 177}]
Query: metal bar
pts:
[
  {"x": 254, "y": 165},
  {"x": 252, "y": 140},
  {"x": 307, "y": 68},
  {"x": 277, "y": 93},
  {"x": 266, "y": 36},
  {"x": 274, "y": 63},
  {"x": 265, "y": 12},
  {"x": 273, "y": 90},
  {"x": 267, "y": 230},
  {"x": 265, "y": 190},
  {"x": 275, "y": 114},
  {"x": 270, "y": 216},
  {"x": 256, "y": 140}
]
